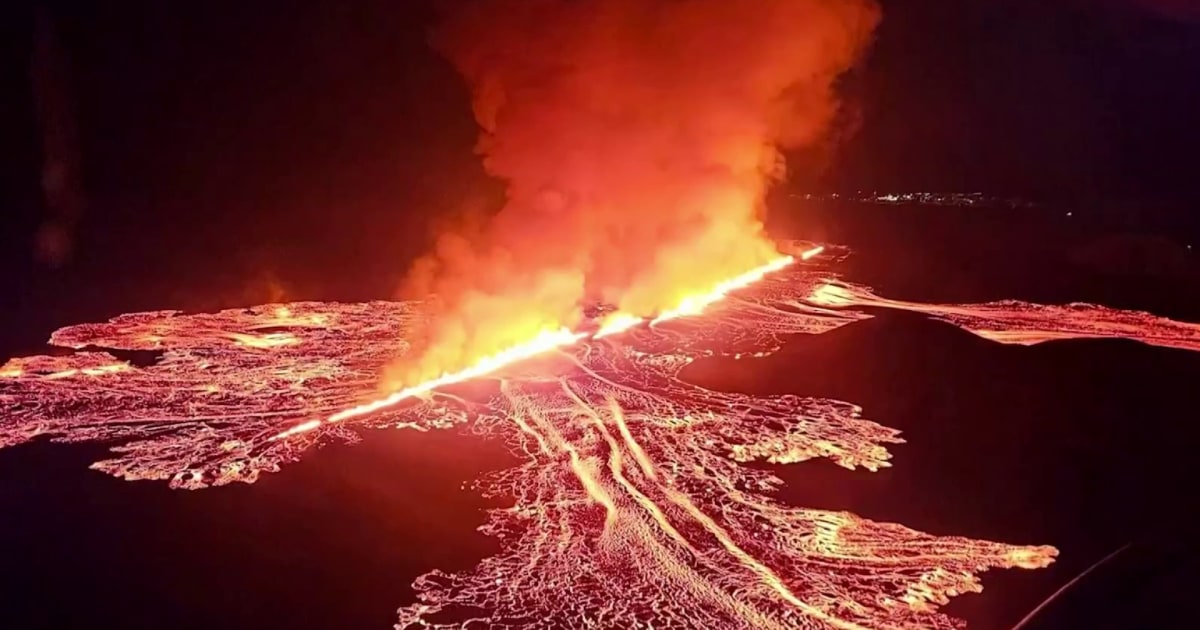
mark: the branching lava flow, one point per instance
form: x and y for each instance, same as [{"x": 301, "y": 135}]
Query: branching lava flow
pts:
[{"x": 630, "y": 495}]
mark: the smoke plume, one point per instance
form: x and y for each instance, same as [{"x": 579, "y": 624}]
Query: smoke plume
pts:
[{"x": 637, "y": 139}]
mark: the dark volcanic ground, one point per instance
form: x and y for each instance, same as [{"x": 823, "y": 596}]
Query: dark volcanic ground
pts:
[{"x": 1084, "y": 445}]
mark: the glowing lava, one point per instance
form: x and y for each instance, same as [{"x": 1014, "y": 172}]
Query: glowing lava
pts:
[
  {"x": 1026, "y": 324},
  {"x": 617, "y": 323},
  {"x": 631, "y": 495},
  {"x": 695, "y": 304},
  {"x": 543, "y": 342}
]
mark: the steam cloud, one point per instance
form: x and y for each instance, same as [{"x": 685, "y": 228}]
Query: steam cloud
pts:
[{"x": 637, "y": 139}]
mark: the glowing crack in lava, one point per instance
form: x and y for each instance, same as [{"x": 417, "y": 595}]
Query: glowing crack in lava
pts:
[{"x": 631, "y": 494}]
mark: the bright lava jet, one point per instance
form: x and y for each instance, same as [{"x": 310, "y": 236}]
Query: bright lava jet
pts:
[{"x": 630, "y": 496}]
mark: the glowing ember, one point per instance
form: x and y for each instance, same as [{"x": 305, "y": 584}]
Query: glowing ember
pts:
[{"x": 630, "y": 494}]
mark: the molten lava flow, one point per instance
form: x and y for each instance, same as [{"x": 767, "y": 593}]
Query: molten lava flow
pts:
[
  {"x": 812, "y": 253},
  {"x": 617, "y": 323},
  {"x": 1026, "y": 324},
  {"x": 272, "y": 340},
  {"x": 630, "y": 494},
  {"x": 542, "y": 343},
  {"x": 695, "y": 304}
]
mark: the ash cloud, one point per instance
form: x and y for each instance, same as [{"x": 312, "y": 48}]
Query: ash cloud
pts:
[{"x": 636, "y": 139}]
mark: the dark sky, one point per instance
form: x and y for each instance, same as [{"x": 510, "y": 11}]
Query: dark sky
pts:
[
  {"x": 231, "y": 151},
  {"x": 1059, "y": 98}
]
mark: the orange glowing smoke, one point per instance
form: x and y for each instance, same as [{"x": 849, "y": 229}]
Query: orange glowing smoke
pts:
[
  {"x": 637, "y": 139},
  {"x": 630, "y": 493}
]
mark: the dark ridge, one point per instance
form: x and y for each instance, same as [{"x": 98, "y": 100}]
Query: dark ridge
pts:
[
  {"x": 136, "y": 358},
  {"x": 878, "y": 348}
]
